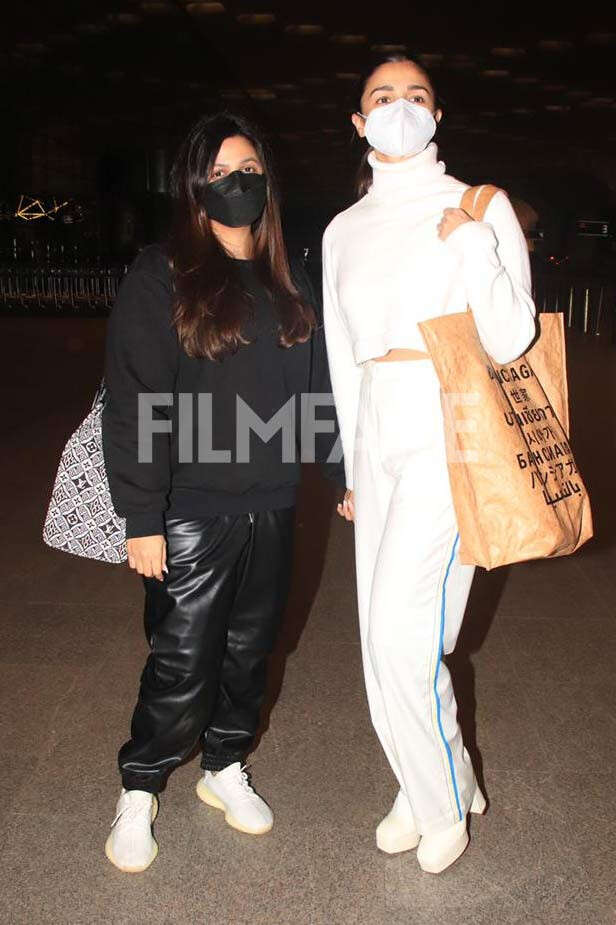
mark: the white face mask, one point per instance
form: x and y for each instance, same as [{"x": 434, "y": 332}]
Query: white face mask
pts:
[{"x": 400, "y": 129}]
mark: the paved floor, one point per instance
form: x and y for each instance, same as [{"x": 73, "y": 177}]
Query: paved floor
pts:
[{"x": 534, "y": 673}]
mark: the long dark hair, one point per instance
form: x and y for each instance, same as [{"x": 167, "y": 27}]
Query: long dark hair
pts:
[
  {"x": 211, "y": 306},
  {"x": 363, "y": 180}
]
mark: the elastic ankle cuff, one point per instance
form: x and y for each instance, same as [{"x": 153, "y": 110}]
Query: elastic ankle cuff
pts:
[
  {"x": 148, "y": 785},
  {"x": 217, "y": 763}
]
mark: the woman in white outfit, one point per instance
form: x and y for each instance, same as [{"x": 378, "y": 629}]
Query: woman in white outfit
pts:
[{"x": 403, "y": 253}]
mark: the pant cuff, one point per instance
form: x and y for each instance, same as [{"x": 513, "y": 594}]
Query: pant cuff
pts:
[
  {"x": 216, "y": 763},
  {"x": 139, "y": 782}
]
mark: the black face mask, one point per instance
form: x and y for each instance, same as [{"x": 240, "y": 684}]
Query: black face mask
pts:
[{"x": 237, "y": 199}]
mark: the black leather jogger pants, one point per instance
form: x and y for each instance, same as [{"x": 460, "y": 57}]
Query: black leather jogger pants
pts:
[{"x": 211, "y": 625}]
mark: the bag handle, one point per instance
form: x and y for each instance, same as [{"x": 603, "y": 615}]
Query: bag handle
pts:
[
  {"x": 476, "y": 200},
  {"x": 100, "y": 396}
]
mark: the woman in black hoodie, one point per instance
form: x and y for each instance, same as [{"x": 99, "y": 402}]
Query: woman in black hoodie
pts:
[{"x": 211, "y": 344}]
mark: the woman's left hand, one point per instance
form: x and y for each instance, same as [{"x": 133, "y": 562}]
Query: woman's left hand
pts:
[
  {"x": 452, "y": 219},
  {"x": 346, "y": 508}
]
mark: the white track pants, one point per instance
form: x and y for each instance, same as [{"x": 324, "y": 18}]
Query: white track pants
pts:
[{"x": 412, "y": 589}]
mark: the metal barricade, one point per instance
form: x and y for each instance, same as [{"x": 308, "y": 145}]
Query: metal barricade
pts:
[
  {"x": 59, "y": 289},
  {"x": 588, "y": 302}
]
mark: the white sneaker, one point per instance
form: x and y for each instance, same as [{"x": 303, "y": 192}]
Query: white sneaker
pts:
[
  {"x": 438, "y": 851},
  {"x": 231, "y": 791},
  {"x": 397, "y": 830},
  {"x": 131, "y": 845}
]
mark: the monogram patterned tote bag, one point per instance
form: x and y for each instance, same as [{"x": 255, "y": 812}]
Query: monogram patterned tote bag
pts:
[{"x": 81, "y": 518}]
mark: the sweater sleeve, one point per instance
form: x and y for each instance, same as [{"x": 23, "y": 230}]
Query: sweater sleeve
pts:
[
  {"x": 496, "y": 272},
  {"x": 141, "y": 359},
  {"x": 345, "y": 373}
]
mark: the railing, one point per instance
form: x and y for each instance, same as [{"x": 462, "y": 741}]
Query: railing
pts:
[
  {"x": 587, "y": 302},
  {"x": 61, "y": 290}
]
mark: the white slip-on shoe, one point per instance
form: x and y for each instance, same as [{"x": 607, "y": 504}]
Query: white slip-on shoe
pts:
[
  {"x": 131, "y": 845},
  {"x": 437, "y": 852},
  {"x": 231, "y": 791},
  {"x": 397, "y": 832}
]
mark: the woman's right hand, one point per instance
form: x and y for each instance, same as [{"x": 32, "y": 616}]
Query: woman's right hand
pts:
[
  {"x": 346, "y": 508},
  {"x": 148, "y": 555}
]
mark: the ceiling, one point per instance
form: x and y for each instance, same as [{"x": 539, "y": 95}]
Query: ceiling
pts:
[{"x": 522, "y": 84}]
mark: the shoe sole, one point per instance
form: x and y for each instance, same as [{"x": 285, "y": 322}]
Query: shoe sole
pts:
[
  {"x": 134, "y": 870},
  {"x": 206, "y": 796}
]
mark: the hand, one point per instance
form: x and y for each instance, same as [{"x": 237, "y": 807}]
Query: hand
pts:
[
  {"x": 148, "y": 555},
  {"x": 346, "y": 508},
  {"x": 452, "y": 219}
]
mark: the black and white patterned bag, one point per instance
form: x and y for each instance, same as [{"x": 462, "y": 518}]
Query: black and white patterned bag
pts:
[{"x": 80, "y": 518}]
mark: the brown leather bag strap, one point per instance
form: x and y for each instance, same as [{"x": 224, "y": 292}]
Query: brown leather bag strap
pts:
[{"x": 476, "y": 200}]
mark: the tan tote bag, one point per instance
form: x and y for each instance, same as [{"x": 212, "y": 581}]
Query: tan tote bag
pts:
[{"x": 517, "y": 491}]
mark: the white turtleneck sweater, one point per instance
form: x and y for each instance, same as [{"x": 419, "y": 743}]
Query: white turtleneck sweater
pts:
[{"x": 385, "y": 268}]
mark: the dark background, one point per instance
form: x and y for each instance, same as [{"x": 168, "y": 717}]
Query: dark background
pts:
[
  {"x": 95, "y": 97},
  {"x": 98, "y": 94}
]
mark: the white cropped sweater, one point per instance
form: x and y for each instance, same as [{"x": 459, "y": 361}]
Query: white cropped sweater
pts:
[{"x": 385, "y": 269}]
